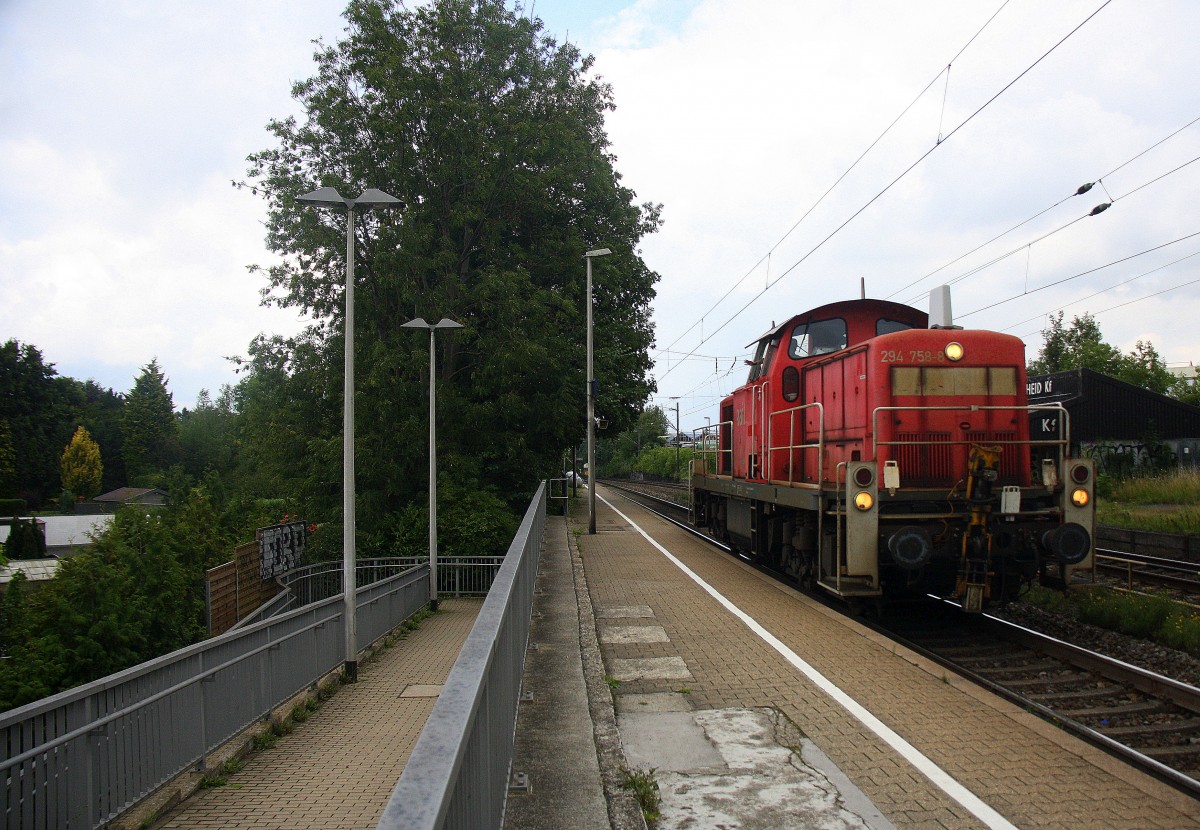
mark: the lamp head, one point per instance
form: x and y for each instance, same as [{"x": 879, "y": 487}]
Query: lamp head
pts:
[
  {"x": 329, "y": 197},
  {"x": 598, "y": 252}
]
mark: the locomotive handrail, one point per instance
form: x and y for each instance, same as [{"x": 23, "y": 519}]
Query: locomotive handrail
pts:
[
  {"x": 792, "y": 445},
  {"x": 1064, "y": 426},
  {"x": 713, "y": 431}
]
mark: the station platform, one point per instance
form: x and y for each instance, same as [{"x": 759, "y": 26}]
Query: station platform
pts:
[{"x": 751, "y": 705}]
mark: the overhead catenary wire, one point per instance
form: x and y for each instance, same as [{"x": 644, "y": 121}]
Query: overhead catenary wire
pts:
[
  {"x": 1162, "y": 267},
  {"x": 1080, "y": 274},
  {"x": 1081, "y": 190},
  {"x": 898, "y": 178},
  {"x": 766, "y": 258}
]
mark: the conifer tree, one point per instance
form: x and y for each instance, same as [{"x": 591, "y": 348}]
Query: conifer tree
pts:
[
  {"x": 82, "y": 468},
  {"x": 149, "y": 428}
]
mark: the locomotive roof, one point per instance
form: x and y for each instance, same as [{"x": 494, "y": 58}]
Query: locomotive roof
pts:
[{"x": 857, "y": 308}]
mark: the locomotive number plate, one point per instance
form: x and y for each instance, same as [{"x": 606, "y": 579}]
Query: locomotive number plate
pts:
[{"x": 911, "y": 356}]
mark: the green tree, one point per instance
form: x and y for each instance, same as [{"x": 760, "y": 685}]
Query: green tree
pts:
[
  {"x": 1082, "y": 346},
  {"x": 101, "y": 414},
  {"x": 149, "y": 428},
  {"x": 40, "y": 409},
  {"x": 1143, "y": 367},
  {"x": 82, "y": 468},
  {"x": 8, "y": 462},
  {"x": 1186, "y": 389},
  {"x": 207, "y": 434},
  {"x": 492, "y": 137}
]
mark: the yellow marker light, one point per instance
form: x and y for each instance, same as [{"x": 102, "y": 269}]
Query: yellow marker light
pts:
[
  {"x": 1079, "y": 498},
  {"x": 954, "y": 351},
  {"x": 863, "y": 501}
]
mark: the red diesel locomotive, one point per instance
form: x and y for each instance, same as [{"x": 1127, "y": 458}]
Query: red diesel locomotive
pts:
[{"x": 875, "y": 457}]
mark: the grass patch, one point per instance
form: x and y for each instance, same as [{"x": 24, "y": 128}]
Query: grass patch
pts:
[
  {"x": 1165, "y": 503},
  {"x": 645, "y": 789},
  {"x": 1178, "y": 487},
  {"x": 1148, "y": 616}
]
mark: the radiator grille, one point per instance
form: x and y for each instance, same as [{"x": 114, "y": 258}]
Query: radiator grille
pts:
[{"x": 928, "y": 460}]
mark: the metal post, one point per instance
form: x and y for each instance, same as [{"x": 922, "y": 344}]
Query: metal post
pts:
[
  {"x": 433, "y": 588},
  {"x": 591, "y": 410},
  {"x": 349, "y": 584},
  {"x": 370, "y": 199},
  {"x": 677, "y": 438}
]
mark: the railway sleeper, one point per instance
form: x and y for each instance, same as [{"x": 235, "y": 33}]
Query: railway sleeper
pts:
[
  {"x": 1012, "y": 667},
  {"x": 1190, "y": 725},
  {"x": 1142, "y": 707},
  {"x": 1054, "y": 680},
  {"x": 1106, "y": 690}
]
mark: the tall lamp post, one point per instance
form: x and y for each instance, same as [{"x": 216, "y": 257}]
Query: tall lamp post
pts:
[
  {"x": 444, "y": 323},
  {"x": 370, "y": 199},
  {"x": 591, "y": 396}
]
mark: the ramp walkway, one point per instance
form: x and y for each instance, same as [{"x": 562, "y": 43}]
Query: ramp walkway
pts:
[{"x": 336, "y": 770}]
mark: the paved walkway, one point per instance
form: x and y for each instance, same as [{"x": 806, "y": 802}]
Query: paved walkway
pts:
[{"x": 337, "y": 769}]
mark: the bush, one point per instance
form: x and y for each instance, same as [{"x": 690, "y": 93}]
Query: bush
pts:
[
  {"x": 13, "y": 507},
  {"x": 25, "y": 541}
]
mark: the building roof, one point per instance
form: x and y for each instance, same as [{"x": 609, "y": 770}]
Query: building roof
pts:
[
  {"x": 1104, "y": 408},
  {"x": 132, "y": 495},
  {"x": 36, "y": 570}
]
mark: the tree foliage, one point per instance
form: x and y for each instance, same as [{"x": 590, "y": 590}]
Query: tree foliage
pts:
[
  {"x": 40, "y": 409},
  {"x": 8, "y": 461},
  {"x": 1082, "y": 346},
  {"x": 149, "y": 428},
  {"x": 81, "y": 465},
  {"x": 492, "y": 137}
]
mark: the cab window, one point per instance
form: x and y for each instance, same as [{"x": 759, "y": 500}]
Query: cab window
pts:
[
  {"x": 762, "y": 357},
  {"x": 820, "y": 337},
  {"x": 886, "y": 326}
]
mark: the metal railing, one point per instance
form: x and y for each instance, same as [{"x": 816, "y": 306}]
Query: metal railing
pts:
[
  {"x": 82, "y": 757},
  {"x": 458, "y": 576},
  {"x": 457, "y": 775}
]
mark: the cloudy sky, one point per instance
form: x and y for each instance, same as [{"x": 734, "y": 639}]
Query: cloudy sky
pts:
[{"x": 797, "y": 148}]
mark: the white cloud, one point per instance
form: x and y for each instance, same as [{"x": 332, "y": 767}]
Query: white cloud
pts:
[{"x": 739, "y": 119}]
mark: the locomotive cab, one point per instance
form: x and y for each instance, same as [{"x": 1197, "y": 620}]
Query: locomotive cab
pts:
[{"x": 869, "y": 454}]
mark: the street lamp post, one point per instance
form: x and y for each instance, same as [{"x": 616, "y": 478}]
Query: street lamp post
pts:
[
  {"x": 591, "y": 396},
  {"x": 444, "y": 323},
  {"x": 676, "y": 399},
  {"x": 370, "y": 198}
]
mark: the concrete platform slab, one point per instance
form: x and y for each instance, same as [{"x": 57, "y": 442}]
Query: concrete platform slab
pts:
[
  {"x": 618, "y": 612},
  {"x": 633, "y": 634},
  {"x": 649, "y": 668},
  {"x": 761, "y": 778},
  {"x": 655, "y": 702},
  {"x": 667, "y": 741}
]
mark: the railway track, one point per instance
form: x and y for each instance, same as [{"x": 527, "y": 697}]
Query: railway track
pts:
[{"x": 1149, "y": 720}]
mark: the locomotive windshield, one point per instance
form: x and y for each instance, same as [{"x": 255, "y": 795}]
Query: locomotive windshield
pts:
[
  {"x": 886, "y": 326},
  {"x": 819, "y": 337}
]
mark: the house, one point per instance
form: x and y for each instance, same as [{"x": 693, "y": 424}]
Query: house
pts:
[{"x": 149, "y": 496}]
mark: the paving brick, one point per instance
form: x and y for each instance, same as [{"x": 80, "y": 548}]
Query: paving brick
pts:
[
  {"x": 337, "y": 769},
  {"x": 1035, "y": 775}
]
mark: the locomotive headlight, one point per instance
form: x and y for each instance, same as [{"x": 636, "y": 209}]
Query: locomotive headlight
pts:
[
  {"x": 863, "y": 501},
  {"x": 1079, "y": 497},
  {"x": 954, "y": 351}
]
